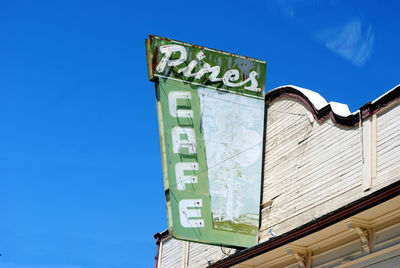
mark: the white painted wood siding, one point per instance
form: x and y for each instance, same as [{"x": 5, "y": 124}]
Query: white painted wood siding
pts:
[
  {"x": 197, "y": 255},
  {"x": 312, "y": 168},
  {"x": 309, "y": 167},
  {"x": 388, "y": 147},
  {"x": 200, "y": 254},
  {"x": 172, "y": 253}
]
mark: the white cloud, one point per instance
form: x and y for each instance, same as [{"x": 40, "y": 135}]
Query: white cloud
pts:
[
  {"x": 333, "y": 23},
  {"x": 352, "y": 41}
]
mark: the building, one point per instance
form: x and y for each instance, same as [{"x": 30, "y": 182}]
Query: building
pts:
[{"x": 330, "y": 193}]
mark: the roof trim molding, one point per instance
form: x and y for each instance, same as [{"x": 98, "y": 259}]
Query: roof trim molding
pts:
[{"x": 338, "y": 112}]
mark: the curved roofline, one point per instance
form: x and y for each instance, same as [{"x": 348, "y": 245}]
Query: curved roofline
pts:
[{"x": 339, "y": 113}]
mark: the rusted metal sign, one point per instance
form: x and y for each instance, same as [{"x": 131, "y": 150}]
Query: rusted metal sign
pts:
[
  {"x": 210, "y": 107},
  {"x": 203, "y": 66}
]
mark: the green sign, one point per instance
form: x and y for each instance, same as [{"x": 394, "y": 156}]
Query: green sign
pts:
[
  {"x": 211, "y": 109},
  {"x": 206, "y": 67}
]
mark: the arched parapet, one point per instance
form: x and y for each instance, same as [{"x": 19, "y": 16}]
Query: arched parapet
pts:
[
  {"x": 338, "y": 112},
  {"x": 318, "y": 156}
]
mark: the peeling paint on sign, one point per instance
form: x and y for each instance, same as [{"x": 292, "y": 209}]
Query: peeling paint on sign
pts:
[
  {"x": 211, "y": 113},
  {"x": 203, "y": 66}
]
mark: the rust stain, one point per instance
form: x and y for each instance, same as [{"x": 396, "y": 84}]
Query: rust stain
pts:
[
  {"x": 196, "y": 46},
  {"x": 154, "y": 60},
  {"x": 165, "y": 39},
  {"x": 202, "y": 47}
]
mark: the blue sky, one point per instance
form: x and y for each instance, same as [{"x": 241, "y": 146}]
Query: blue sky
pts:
[{"x": 80, "y": 166}]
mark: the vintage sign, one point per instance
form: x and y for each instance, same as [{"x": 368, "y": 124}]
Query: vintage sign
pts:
[{"x": 211, "y": 109}]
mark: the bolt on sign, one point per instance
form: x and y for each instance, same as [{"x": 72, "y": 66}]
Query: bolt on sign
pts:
[{"x": 211, "y": 113}]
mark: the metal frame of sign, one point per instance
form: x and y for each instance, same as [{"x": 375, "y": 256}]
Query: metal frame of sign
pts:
[{"x": 211, "y": 114}]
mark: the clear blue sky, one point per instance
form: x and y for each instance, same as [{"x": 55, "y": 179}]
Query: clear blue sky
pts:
[{"x": 80, "y": 166}]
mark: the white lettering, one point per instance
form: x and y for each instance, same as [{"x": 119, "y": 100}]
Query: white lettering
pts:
[
  {"x": 173, "y": 110},
  {"x": 181, "y": 178},
  {"x": 168, "y": 50},
  {"x": 254, "y": 82},
  {"x": 178, "y": 143},
  {"x": 228, "y": 78},
  {"x": 206, "y": 68},
  {"x": 188, "y": 210},
  {"x": 187, "y": 71},
  {"x": 231, "y": 76}
]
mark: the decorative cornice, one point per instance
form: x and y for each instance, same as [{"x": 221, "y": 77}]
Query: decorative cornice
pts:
[
  {"x": 339, "y": 113},
  {"x": 164, "y": 234}
]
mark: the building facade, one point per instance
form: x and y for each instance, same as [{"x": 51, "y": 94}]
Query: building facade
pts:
[{"x": 330, "y": 193}]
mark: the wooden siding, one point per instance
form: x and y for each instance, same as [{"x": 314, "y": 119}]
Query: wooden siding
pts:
[
  {"x": 388, "y": 147},
  {"x": 200, "y": 254},
  {"x": 172, "y": 253},
  {"x": 310, "y": 167},
  {"x": 177, "y": 253}
]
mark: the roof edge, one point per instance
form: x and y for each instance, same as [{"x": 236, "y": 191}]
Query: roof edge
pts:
[
  {"x": 161, "y": 235},
  {"x": 338, "y": 112}
]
